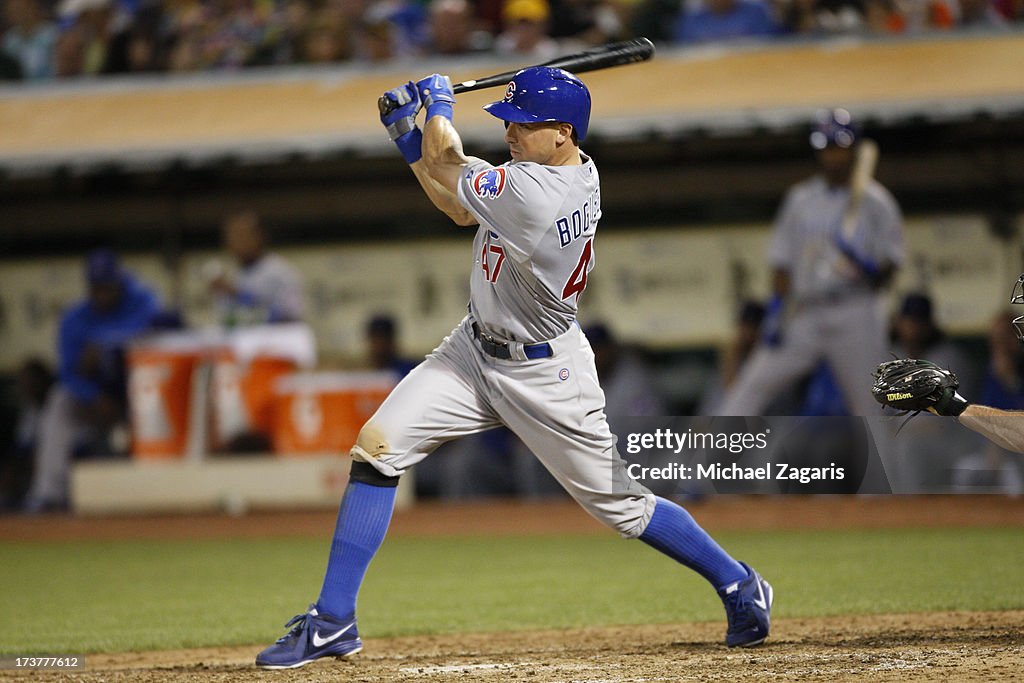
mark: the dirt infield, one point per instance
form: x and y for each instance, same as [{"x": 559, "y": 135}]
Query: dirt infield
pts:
[
  {"x": 932, "y": 647},
  {"x": 921, "y": 647}
]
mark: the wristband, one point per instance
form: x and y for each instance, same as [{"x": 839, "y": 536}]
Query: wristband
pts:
[
  {"x": 444, "y": 109},
  {"x": 409, "y": 145}
]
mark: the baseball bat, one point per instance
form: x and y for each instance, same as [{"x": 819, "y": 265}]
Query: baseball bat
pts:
[
  {"x": 863, "y": 172},
  {"x": 603, "y": 57}
]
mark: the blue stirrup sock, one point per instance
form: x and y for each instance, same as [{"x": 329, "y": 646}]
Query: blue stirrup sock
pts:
[
  {"x": 675, "y": 533},
  {"x": 363, "y": 521}
]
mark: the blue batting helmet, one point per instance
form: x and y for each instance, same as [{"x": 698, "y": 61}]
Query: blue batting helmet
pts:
[
  {"x": 834, "y": 127},
  {"x": 543, "y": 93}
]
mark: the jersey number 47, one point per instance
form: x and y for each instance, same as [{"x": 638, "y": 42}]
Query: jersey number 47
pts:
[{"x": 576, "y": 283}]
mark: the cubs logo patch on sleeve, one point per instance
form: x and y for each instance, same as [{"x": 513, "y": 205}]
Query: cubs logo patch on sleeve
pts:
[{"x": 489, "y": 184}]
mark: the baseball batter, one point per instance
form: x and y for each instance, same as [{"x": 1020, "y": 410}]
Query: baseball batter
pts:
[
  {"x": 828, "y": 301},
  {"x": 518, "y": 358}
]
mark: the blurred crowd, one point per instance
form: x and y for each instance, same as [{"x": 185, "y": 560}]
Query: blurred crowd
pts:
[{"x": 46, "y": 39}]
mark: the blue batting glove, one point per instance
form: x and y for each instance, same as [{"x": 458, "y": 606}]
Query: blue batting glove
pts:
[
  {"x": 401, "y": 121},
  {"x": 771, "y": 325},
  {"x": 436, "y": 94},
  {"x": 868, "y": 265}
]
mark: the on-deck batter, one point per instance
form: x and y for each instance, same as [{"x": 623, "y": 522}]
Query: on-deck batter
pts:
[
  {"x": 518, "y": 358},
  {"x": 828, "y": 301}
]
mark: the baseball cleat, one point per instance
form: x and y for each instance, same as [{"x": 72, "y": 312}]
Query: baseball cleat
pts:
[
  {"x": 748, "y": 607},
  {"x": 312, "y": 636}
]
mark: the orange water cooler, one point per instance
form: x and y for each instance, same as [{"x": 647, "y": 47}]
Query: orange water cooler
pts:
[
  {"x": 161, "y": 372},
  {"x": 247, "y": 364},
  {"x": 322, "y": 412}
]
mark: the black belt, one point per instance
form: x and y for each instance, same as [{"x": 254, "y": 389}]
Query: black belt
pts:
[{"x": 498, "y": 349}]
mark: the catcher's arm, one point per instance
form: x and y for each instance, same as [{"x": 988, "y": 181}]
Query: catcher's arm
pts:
[{"x": 1002, "y": 427}]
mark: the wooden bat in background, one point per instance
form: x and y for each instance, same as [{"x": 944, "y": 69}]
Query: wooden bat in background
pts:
[
  {"x": 613, "y": 54},
  {"x": 863, "y": 172}
]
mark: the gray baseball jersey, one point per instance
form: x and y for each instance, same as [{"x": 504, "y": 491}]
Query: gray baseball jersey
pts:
[
  {"x": 269, "y": 290},
  {"x": 532, "y": 253},
  {"x": 807, "y": 227},
  {"x": 534, "y": 247}
]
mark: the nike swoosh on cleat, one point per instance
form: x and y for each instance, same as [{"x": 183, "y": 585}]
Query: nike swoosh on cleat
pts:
[
  {"x": 759, "y": 601},
  {"x": 320, "y": 642}
]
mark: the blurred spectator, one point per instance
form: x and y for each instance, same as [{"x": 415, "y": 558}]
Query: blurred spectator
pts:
[
  {"x": 1011, "y": 10},
  {"x": 452, "y": 30},
  {"x": 137, "y": 48},
  {"x": 93, "y": 28},
  {"x": 526, "y": 30},
  {"x": 326, "y": 39},
  {"x": 295, "y": 17},
  {"x": 981, "y": 14},
  {"x": 69, "y": 52},
  {"x": 591, "y": 22},
  {"x": 266, "y": 290},
  {"x": 882, "y": 17},
  {"x": 10, "y": 69},
  {"x": 824, "y": 17},
  {"x": 927, "y": 15},
  {"x": 30, "y": 40},
  {"x": 717, "y": 20},
  {"x": 915, "y": 334},
  {"x": 627, "y": 381},
  {"x": 655, "y": 19},
  {"x": 184, "y": 25},
  {"x": 409, "y": 21},
  {"x": 88, "y": 401},
  {"x": 381, "y": 339},
  {"x": 33, "y": 382},
  {"x": 376, "y": 37},
  {"x": 1003, "y": 386}
]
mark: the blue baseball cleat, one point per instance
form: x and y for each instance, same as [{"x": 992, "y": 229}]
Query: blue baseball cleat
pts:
[
  {"x": 312, "y": 636},
  {"x": 748, "y": 607}
]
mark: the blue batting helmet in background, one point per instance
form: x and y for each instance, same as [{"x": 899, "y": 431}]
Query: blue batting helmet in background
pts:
[
  {"x": 543, "y": 93},
  {"x": 834, "y": 127}
]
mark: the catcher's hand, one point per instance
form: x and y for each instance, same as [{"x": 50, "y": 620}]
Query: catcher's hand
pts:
[{"x": 915, "y": 385}]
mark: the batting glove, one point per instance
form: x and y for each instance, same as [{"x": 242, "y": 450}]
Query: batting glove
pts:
[
  {"x": 436, "y": 93},
  {"x": 401, "y": 121}
]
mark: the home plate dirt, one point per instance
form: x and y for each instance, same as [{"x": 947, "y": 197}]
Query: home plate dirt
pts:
[{"x": 946, "y": 647}]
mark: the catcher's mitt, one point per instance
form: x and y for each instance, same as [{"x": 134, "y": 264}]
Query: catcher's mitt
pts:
[{"x": 914, "y": 385}]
